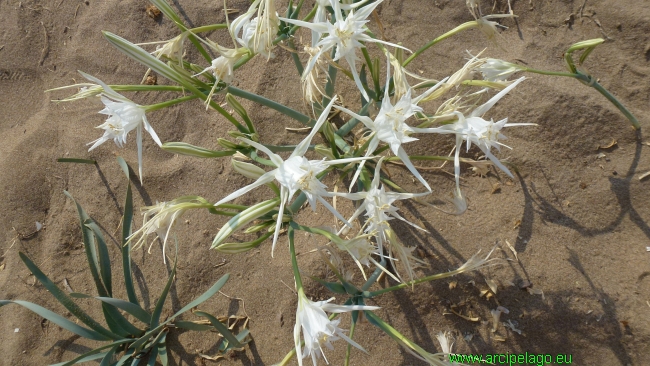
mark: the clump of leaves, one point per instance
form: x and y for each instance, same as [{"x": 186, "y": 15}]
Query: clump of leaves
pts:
[{"x": 129, "y": 343}]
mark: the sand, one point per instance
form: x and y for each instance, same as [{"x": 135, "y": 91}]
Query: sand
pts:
[{"x": 578, "y": 220}]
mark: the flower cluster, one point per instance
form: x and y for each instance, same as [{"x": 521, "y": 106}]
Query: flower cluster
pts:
[{"x": 394, "y": 114}]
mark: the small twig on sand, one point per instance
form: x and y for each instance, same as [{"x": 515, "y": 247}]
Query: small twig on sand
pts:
[
  {"x": 243, "y": 304},
  {"x": 46, "y": 48}
]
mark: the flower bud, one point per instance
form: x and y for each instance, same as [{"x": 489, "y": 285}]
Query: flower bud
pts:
[{"x": 246, "y": 169}]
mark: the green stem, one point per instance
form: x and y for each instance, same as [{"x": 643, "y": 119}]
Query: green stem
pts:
[
  {"x": 169, "y": 103},
  {"x": 271, "y": 104},
  {"x": 294, "y": 261},
  {"x": 351, "y": 124},
  {"x": 460, "y": 28},
  {"x": 294, "y": 56},
  {"x": 146, "y": 87},
  {"x": 591, "y": 81},
  {"x": 373, "y": 278},
  {"x": 373, "y": 72},
  {"x": 551, "y": 73},
  {"x": 349, "y": 350},
  {"x": 415, "y": 282},
  {"x": 208, "y": 28},
  {"x": 601, "y": 89}
]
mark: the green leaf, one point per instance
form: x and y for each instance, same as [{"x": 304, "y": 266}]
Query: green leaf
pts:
[
  {"x": 234, "y": 248},
  {"x": 164, "y": 7},
  {"x": 127, "y": 219},
  {"x": 206, "y": 295},
  {"x": 75, "y": 160},
  {"x": 162, "y": 351},
  {"x": 124, "y": 166},
  {"x": 189, "y": 325},
  {"x": 332, "y": 286},
  {"x": 242, "y": 219},
  {"x": 58, "y": 320},
  {"x": 131, "y": 308},
  {"x": 104, "y": 258},
  {"x": 222, "y": 329},
  {"x": 89, "y": 246},
  {"x": 108, "y": 358},
  {"x": 155, "y": 316},
  {"x": 65, "y": 300},
  {"x": 143, "y": 57},
  {"x": 183, "y": 148}
]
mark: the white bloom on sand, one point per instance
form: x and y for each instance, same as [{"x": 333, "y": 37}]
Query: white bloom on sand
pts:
[
  {"x": 124, "y": 116},
  {"x": 475, "y": 130},
  {"x": 489, "y": 27},
  {"x": 258, "y": 33},
  {"x": 346, "y": 34},
  {"x": 316, "y": 328},
  {"x": 296, "y": 173},
  {"x": 390, "y": 126},
  {"x": 159, "y": 219},
  {"x": 379, "y": 210},
  {"x": 498, "y": 70}
]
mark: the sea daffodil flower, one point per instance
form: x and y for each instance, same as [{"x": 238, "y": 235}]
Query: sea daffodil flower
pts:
[
  {"x": 480, "y": 132},
  {"x": 124, "y": 116},
  {"x": 317, "y": 329},
  {"x": 390, "y": 126},
  {"x": 378, "y": 206},
  {"x": 296, "y": 173},
  {"x": 346, "y": 33}
]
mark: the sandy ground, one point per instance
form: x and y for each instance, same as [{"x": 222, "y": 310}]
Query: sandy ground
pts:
[{"x": 579, "y": 223}]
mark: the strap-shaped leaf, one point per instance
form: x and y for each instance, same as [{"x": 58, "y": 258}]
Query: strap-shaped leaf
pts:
[
  {"x": 126, "y": 248},
  {"x": 206, "y": 295},
  {"x": 162, "y": 350},
  {"x": 89, "y": 246},
  {"x": 183, "y": 148},
  {"x": 127, "y": 306},
  {"x": 225, "y": 332},
  {"x": 189, "y": 325},
  {"x": 143, "y": 57},
  {"x": 58, "y": 320},
  {"x": 65, "y": 300},
  {"x": 104, "y": 258},
  {"x": 108, "y": 358},
  {"x": 124, "y": 166},
  {"x": 155, "y": 316},
  {"x": 242, "y": 219}
]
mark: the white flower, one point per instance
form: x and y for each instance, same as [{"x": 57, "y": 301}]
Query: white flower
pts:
[
  {"x": 257, "y": 34},
  {"x": 222, "y": 66},
  {"x": 498, "y": 70},
  {"x": 296, "y": 173},
  {"x": 390, "y": 126},
  {"x": 489, "y": 28},
  {"x": 378, "y": 206},
  {"x": 124, "y": 116},
  {"x": 346, "y": 34},
  {"x": 475, "y": 130},
  {"x": 317, "y": 329},
  {"x": 160, "y": 218}
]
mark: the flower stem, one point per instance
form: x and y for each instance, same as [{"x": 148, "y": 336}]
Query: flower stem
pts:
[
  {"x": 591, "y": 81},
  {"x": 169, "y": 103},
  {"x": 294, "y": 260},
  {"x": 460, "y": 28},
  {"x": 415, "y": 282}
]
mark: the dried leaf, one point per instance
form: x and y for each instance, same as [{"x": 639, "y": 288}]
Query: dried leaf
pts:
[
  {"x": 644, "y": 175},
  {"x": 2, "y": 266},
  {"x": 67, "y": 286},
  {"x": 493, "y": 285},
  {"x": 453, "y": 284},
  {"x": 499, "y": 338},
  {"x": 611, "y": 144},
  {"x": 472, "y": 319},
  {"x": 511, "y": 325},
  {"x": 512, "y": 249}
]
